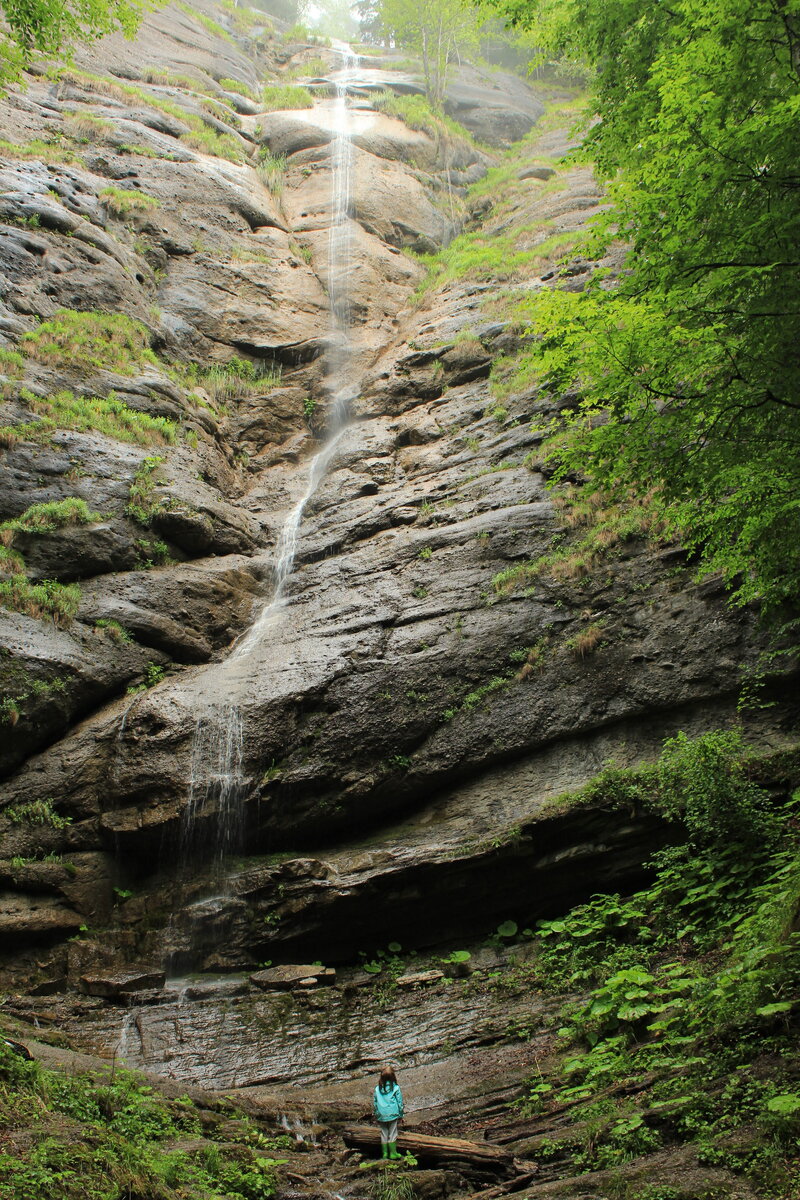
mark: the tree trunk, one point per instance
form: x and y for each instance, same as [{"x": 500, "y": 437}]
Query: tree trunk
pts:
[{"x": 435, "y": 1149}]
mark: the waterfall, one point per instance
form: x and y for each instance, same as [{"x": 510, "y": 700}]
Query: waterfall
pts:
[
  {"x": 339, "y": 240},
  {"x": 216, "y": 782},
  {"x": 216, "y": 777}
]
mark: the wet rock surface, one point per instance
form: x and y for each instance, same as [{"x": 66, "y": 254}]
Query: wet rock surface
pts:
[
  {"x": 401, "y": 726},
  {"x": 396, "y": 742}
]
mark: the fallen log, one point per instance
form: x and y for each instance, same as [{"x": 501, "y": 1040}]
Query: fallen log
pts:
[
  {"x": 427, "y": 1149},
  {"x": 509, "y": 1187}
]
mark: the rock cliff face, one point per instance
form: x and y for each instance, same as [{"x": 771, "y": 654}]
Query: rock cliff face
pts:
[{"x": 390, "y": 733}]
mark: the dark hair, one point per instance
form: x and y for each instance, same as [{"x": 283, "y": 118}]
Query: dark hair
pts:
[{"x": 388, "y": 1078}]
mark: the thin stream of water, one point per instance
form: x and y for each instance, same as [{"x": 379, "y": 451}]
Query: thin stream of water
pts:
[{"x": 216, "y": 781}]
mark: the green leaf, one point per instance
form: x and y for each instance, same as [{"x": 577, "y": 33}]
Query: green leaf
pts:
[
  {"x": 508, "y": 929},
  {"x": 773, "y": 1010}
]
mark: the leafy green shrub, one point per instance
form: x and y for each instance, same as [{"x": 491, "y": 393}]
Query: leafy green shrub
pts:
[
  {"x": 726, "y": 896},
  {"x": 104, "y": 341},
  {"x": 704, "y": 782},
  {"x": 116, "y": 1142}
]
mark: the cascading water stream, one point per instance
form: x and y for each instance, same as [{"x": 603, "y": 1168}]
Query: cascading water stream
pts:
[{"x": 216, "y": 782}]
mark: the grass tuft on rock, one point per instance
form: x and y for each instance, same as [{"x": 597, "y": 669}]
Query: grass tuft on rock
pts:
[
  {"x": 39, "y": 151},
  {"x": 277, "y": 96},
  {"x": 208, "y": 141},
  {"x": 418, "y": 113},
  {"x": 240, "y": 89},
  {"x": 124, "y": 201},
  {"x": 48, "y": 517},
  {"x": 108, "y": 415},
  {"x": 103, "y": 341},
  {"x": 47, "y": 599}
]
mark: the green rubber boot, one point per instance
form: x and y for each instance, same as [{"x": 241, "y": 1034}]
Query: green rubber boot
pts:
[
  {"x": 384, "y": 1149},
  {"x": 393, "y": 1150}
]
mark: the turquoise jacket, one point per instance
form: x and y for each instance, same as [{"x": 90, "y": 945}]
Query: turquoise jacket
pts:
[{"x": 387, "y": 1104}]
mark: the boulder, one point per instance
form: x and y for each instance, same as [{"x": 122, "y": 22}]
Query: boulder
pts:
[
  {"x": 26, "y": 919},
  {"x": 113, "y": 986},
  {"x": 534, "y": 172},
  {"x": 286, "y": 978}
]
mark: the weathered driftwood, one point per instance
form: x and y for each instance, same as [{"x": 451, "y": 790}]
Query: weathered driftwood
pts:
[{"x": 434, "y": 1149}]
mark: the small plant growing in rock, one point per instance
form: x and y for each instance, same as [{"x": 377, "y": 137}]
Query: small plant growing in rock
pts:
[
  {"x": 12, "y": 363},
  {"x": 586, "y": 641},
  {"x": 9, "y": 711},
  {"x": 153, "y": 674},
  {"x": 37, "y": 812},
  {"x": 143, "y": 504},
  {"x": 117, "y": 632},
  {"x": 153, "y": 554},
  {"x": 425, "y": 553}
]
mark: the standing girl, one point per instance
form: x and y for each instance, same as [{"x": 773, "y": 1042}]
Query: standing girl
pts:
[{"x": 387, "y": 1104}]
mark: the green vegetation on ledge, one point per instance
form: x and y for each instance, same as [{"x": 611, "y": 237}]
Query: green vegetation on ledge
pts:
[
  {"x": 108, "y": 415},
  {"x": 688, "y": 1033},
  {"x": 418, "y": 113},
  {"x": 114, "y": 1137},
  {"x": 286, "y": 95},
  {"x": 47, "y": 517},
  {"x": 103, "y": 341}
]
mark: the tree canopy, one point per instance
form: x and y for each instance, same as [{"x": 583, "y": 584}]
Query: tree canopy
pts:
[
  {"x": 50, "y": 26},
  {"x": 688, "y": 360},
  {"x": 437, "y": 30}
]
